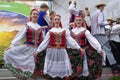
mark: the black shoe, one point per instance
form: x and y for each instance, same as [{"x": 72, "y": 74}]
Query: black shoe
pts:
[
  {"x": 104, "y": 66},
  {"x": 114, "y": 66},
  {"x": 118, "y": 66}
]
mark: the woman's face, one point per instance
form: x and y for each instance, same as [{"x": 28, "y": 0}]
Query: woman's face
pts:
[
  {"x": 35, "y": 15},
  {"x": 57, "y": 20},
  {"x": 78, "y": 21}
]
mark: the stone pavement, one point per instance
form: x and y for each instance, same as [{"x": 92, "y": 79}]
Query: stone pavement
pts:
[{"x": 6, "y": 75}]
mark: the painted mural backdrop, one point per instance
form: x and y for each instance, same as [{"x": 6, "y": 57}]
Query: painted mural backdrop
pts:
[{"x": 12, "y": 18}]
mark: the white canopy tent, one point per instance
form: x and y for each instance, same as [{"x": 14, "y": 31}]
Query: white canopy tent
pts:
[{"x": 112, "y": 9}]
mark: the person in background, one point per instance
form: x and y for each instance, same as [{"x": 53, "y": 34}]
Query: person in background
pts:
[
  {"x": 114, "y": 37},
  {"x": 52, "y": 15},
  {"x": 57, "y": 63},
  {"x": 74, "y": 12},
  {"x": 44, "y": 19},
  {"x": 108, "y": 27},
  {"x": 83, "y": 15},
  {"x": 98, "y": 31},
  {"x": 19, "y": 59}
]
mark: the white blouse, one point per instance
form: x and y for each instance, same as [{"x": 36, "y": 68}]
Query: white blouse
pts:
[
  {"x": 71, "y": 43},
  {"x": 18, "y": 38},
  {"x": 92, "y": 40}
]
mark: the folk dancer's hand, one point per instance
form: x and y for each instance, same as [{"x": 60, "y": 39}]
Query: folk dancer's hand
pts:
[
  {"x": 82, "y": 52},
  {"x": 35, "y": 53},
  {"x": 102, "y": 53}
]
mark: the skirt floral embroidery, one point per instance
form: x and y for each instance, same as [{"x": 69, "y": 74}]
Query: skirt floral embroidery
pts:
[
  {"x": 94, "y": 60},
  {"x": 18, "y": 73},
  {"x": 39, "y": 65},
  {"x": 76, "y": 60}
]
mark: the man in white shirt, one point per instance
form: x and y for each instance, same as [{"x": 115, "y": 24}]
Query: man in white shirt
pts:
[
  {"x": 114, "y": 37},
  {"x": 98, "y": 31}
]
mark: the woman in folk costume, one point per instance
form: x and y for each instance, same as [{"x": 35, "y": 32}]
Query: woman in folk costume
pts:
[
  {"x": 87, "y": 64},
  {"x": 19, "y": 59},
  {"x": 57, "y": 62}
]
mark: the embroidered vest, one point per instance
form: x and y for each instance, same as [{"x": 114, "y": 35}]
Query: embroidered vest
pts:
[
  {"x": 57, "y": 40},
  {"x": 80, "y": 38},
  {"x": 33, "y": 37}
]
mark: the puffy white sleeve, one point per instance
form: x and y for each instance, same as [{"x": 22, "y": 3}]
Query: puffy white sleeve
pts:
[
  {"x": 16, "y": 41},
  {"x": 93, "y": 41},
  {"x": 44, "y": 43},
  {"x": 115, "y": 29},
  {"x": 43, "y": 32},
  {"x": 73, "y": 10},
  {"x": 71, "y": 43}
]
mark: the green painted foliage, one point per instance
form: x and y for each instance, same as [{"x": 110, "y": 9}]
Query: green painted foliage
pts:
[{"x": 15, "y": 7}]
